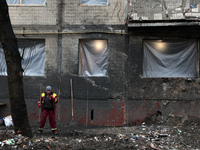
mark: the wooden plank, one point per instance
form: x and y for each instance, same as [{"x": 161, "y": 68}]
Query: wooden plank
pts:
[
  {"x": 79, "y": 71},
  {"x": 197, "y": 59}
]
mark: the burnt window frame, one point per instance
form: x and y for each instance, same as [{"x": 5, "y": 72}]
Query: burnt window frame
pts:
[
  {"x": 197, "y": 57},
  {"x": 80, "y": 58}
]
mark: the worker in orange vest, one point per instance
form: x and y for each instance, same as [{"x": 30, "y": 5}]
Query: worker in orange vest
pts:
[{"x": 47, "y": 103}]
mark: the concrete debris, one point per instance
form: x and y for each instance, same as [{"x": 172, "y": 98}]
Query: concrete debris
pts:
[
  {"x": 142, "y": 137},
  {"x": 163, "y": 10},
  {"x": 152, "y": 146}
]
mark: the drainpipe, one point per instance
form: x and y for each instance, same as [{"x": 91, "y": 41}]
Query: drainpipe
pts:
[
  {"x": 126, "y": 86},
  {"x": 59, "y": 50},
  {"x": 59, "y": 23}
]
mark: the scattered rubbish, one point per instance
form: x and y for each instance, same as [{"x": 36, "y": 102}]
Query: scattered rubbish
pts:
[
  {"x": 25, "y": 147},
  {"x": 121, "y": 136},
  {"x": 137, "y": 136},
  {"x": 152, "y": 146},
  {"x": 1, "y": 121},
  {"x": 8, "y": 121},
  {"x": 78, "y": 140},
  {"x": 134, "y": 137},
  {"x": 96, "y": 139},
  {"x": 30, "y": 144},
  {"x": 10, "y": 142},
  {"x": 1, "y": 144},
  {"x": 108, "y": 139},
  {"x": 14, "y": 147},
  {"x": 48, "y": 147},
  {"x": 163, "y": 135},
  {"x": 143, "y": 125},
  {"x": 171, "y": 115},
  {"x": 179, "y": 131}
]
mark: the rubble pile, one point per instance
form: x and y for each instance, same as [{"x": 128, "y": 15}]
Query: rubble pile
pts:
[{"x": 157, "y": 137}]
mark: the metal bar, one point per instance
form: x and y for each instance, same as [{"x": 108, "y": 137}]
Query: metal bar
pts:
[
  {"x": 79, "y": 71},
  {"x": 197, "y": 58},
  {"x": 49, "y": 33}
]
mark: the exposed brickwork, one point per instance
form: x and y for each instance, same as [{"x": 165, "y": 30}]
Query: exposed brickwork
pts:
[
  {"x": 34, "y": 15},
  {"x": 73, "y": 13},
  {"x": 142, "y": 10},
  {"x": 113, "y": 13}
]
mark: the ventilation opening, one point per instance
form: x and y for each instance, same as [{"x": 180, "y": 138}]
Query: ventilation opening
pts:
[{"x": 92, "y": 114}]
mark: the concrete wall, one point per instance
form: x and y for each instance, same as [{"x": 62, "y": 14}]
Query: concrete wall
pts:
[
  {"x": 62, "y": 59},
  {"x": 168, "y": 96},
  {"x": 122, "y": 97},
  {"x": 158, "y": 88}
]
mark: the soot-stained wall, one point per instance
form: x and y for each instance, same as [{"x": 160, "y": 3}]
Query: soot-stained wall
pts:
[
  {"x": 169, "y": 97},
  {"x": 122, "y": 97},
  {"x": 158, "y": 88}
]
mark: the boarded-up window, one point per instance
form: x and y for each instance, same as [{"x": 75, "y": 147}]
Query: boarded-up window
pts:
[
  {"x": 169, "y": 58},
  {"x": 33, "y": 53},
  {"x": 93, "y": 58},
  {"x": 94, "y": 2},
  {"x": 31, "y": 2}
]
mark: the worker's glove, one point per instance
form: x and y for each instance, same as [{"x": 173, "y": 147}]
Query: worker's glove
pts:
[{"x": 39, "y": 105}]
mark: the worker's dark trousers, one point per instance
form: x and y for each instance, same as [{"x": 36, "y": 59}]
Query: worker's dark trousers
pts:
[{"x": 52, "y": 120}]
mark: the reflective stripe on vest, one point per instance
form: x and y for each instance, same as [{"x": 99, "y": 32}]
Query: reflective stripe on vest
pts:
[
  {"x": 54, "y": 95},
  {"x": 43, "y": 94}
]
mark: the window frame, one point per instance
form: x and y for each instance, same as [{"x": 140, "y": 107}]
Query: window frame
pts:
[
  {"x": 95, "y": 4},
  {"x": 197, "y": 58},
  {"x": 27, "y": 5},
  {"x": 4, "y": 74},
  {"x": 79, "y": 57}
]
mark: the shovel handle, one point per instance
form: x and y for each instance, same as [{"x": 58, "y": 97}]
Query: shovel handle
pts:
[
  {"x": 72, "y": 101},
  {"x": 40, "y": 102}
]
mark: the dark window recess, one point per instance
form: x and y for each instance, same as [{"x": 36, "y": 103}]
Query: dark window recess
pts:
[{"x": 92, "y": 114}]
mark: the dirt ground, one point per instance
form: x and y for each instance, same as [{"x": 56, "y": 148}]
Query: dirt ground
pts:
[{"x": 142, "y": 137}]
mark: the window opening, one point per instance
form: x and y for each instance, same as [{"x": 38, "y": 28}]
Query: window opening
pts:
[
  {"x": 93, "y": 2},
  {"x": 170, "y": 58},
  {"x": 93, "y": 58},
  {"x": 33, "y": 57},
  {"x": 26, "y": 2}
]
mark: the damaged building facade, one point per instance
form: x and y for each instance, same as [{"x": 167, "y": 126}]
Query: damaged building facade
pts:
[{"x": 129, "y": 61}]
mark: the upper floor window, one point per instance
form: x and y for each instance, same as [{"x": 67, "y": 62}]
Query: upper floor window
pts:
[
  {"x": 94, "y": 2},
  {"x": 26, "y": 2}
]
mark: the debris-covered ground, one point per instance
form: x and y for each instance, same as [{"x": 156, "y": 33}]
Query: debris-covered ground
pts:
[{"x": 133, "y": 137}]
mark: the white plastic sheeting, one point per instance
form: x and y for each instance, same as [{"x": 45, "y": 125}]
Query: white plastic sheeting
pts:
[
  {"x": 94, "y": 58},
  {"x": 104, "y": 2},
  {"x": 40, "y": 2},
  {"x": 170, "y": 58},
  {"x": 33, "y": 63},
  {"x": 13, "y": 1}
]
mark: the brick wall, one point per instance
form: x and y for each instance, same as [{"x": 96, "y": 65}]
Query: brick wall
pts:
[
  {"x": 34, "y": 15},
  {"x": 73, "y": 13},
  {"x": 113, "y": 13}
]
